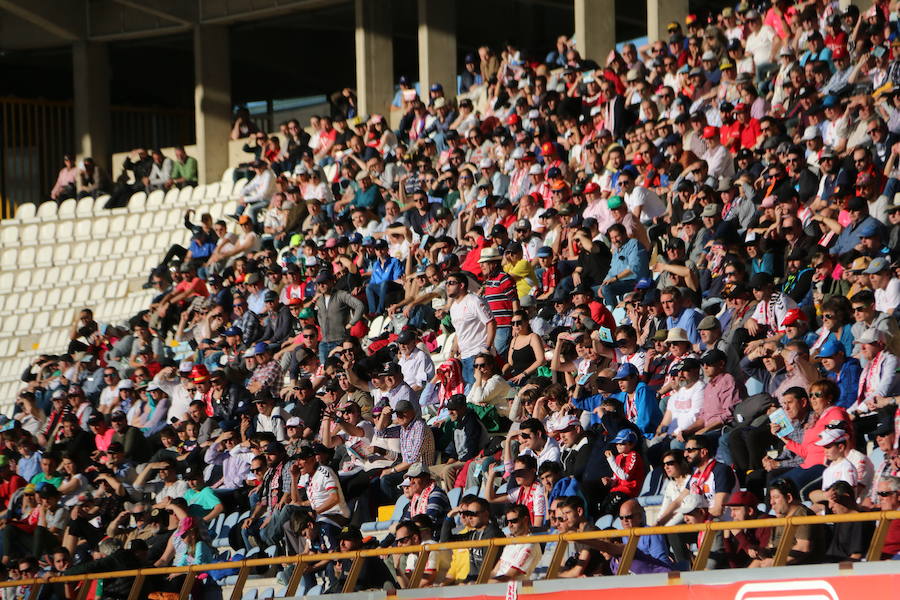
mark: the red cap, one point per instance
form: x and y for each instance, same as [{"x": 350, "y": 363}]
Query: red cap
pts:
[
  {"x": 199, "y": 374},
  {"x": 740, "y": 106},
  {"x": 359, "y": 329},
  {"x": 547, "y": 149},
  {"x": 295, "y": 301},
  {"x": 690, "y": 19},
  {"x": 591, "y": 188},
  {"x": 839, "y": 52},
  {"x": 638, "y": 160},
  {"x": 742, "y": 498},
  {"x": 710, "y": 132},
  {"x": 513, "y": 119},
  {"x": 794, "y": 315}
]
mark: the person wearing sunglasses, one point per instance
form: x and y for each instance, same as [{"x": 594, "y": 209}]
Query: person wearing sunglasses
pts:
[
  {"x": 409, "y": 533},
  {"x": 517, "y": 561},
  {"x": 713, "y": 480},
  {"x": 481, "y": 526},
  {"x": 867, "y": 316},
  {"x": 888, "y": 494}
]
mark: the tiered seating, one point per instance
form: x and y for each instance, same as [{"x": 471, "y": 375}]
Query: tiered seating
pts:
[{"x": 56, "y": 259}]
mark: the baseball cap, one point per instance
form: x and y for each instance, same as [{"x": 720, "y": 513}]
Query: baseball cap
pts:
[
  {"x": 831, "y": 436},
  {"x": 742, "y": 498},
  {"x": 193, "y": 472},
  {"x": 625, "y": 370},
  {"x": 794, "y": 315},
  {"x": 568, "y": 422},
  {"x": 713, "y": 356},
  {"x": 692, "y": 502},
  {"x": 625, "y": 435},
  {"x": 403, "y": 406},
  {"x": 830, "y": 348},
  {"x": 871, "y": 336},
  {"x": 877, "y": 266},
  {"x": 708, "y": 322},
  {"x": 710, "y": 132},
  {"x": 760, "y": 280}
]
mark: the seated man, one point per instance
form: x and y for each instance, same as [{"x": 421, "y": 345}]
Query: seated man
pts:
[
  {"x": 850, "y": 540},
  {"x": 409, "y": 533},
  {"x": 517, "y": 561}
]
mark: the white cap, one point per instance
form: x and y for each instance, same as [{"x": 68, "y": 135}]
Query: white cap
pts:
[
  {"x": 871, "y": 336},
  {"x": 535, "y": 169},
  {"x": 708, "y": 55},
  {"x": 518, "y": 153},
  {"x": 588, "y": 79},
  {"x": 125, "y": 384},
  {"x": 293, "y": 422},
  {"x": 486, "y": 163},
  {"x": 310, "y": 261},
  {"x": 185, "y": 366},
  {"x": 810, "y": 133},
  {"x": 692, "y": 502},
  {"x": 534, "y": 114},
  {"x": 831, "y": 436},
  {"x": 595, "y": 111}
]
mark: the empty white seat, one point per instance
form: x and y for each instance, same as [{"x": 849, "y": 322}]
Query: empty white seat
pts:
[
  {"x": 38, "y": 301},
  {"x": 83, "y": 229},
  {"x": 61, "y": 253},
  {"x": 82, "y": 294},
  {"x": 198, "y": 194},
  {"x": 138, "y": 201},
  {"x": 100, "y": 228},
  {"x": 184, "y": 194},
  {"x": 6, "y": 281},
  {"x": 65, "y": 230},
  {"x": 106, "y": 247},
  {"x": 51, "y": 278},
  {"x": 238, "y": 187},
  {"x": 228, "y": 175},
  {"x": 25, "y": 211},
  {"x": 25, "y": 322},
  {"x": 27, "y": 256},
  {"x": 85, "y": 207},
  {"x": 47, "y": 211},
  {"x": 171, "y": 198},
  {"x": 212, "y": 191},
  {"x": 117, "y": 224},
  {"x": 66, "y": 209},
  {"x": 120, "y": 247},
  {"x": 53, "y": 296},
  {"x": 159, "y": 220},
  {"x": 67, "y": 297},
  {"x": 58, "y": 318},
  {"x": 47, "y": 233},
  {"x": 132, "y": 223},
  {"x": 23, "y": 280},
  {"x": 9, "y": 258},
  {"x": 9, "y": 235},
  {"x": 44, "y": 255},
  {"x": 28, "y": 234},
  {"x": 80, "y": 274}
]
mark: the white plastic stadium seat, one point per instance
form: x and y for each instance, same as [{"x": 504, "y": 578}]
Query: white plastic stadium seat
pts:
[
  {"x": 184, "y": 195},
  {"x": 47, "y": 233},
  {"x": 47, "y": 211},
  {"x": 62, "y": 252},
  {"x": 198, "y": 194},
  {"x": 26, "y": 257},
  {"x": 66, "y": 209},
  {"x": 25, "y": 212},
  {"x": 100, "y": 228},
  {"x": 9, "y": 235},
  {"x": 85, "y": 207},
  {"x": 137, "y": 202},
  {"x": 8, "y": 259},
  {"x": 212, "y": 191},
  {"x": 238, "y": 187},
  {"x": 83, "y": 229},
  {"x": 65, "y": 230},
  {"x": 28, "y": 234},
  {"x": 44, "y": 255},
  {"x": 171, "y": 198},
  {"x": 100, "y": 205},
  {"x": 23, "y": 280},
  {"x": 6, "y": 282}
]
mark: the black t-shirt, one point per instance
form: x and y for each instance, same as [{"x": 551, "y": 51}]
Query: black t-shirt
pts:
[
  {"x": 595, "y": 264},
  {"x": 849, "y": 538},
  {"x": 310, "y": 413}
]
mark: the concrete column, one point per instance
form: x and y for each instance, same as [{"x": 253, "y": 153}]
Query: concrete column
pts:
[
  {"x": 374, "y": 56},
  {"x": 437, "y": 45},
  {"x": 660, "y": 13},
  {"x": 595, "y": 28},
  {"x": 212, "y": 100},
  {"x": 90, "y": 64}
]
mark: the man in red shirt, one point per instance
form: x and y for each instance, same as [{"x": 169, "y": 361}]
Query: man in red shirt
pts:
[
  {"x": 748, "y": 127},
  {"x": 9, "y": 482},
  {"x": 888, "y": 493},
  {"x": 500, "y": 293}
]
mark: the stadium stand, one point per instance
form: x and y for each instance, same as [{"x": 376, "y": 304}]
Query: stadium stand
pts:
[{"x": 659, "y": 292}]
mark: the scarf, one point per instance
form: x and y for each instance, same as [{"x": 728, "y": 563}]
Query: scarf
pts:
[{"x": 451, "y": 381}]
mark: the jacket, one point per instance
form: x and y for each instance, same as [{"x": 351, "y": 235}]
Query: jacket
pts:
[{"x": 343, "y": 309}]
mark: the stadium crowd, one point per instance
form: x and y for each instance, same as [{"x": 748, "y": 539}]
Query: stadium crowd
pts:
[{"x": 673, "y": 274}]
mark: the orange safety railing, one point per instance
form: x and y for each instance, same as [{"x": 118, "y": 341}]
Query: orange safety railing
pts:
[{"x": 494, "y": 547}]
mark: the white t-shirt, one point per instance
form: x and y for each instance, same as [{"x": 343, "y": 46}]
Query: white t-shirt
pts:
[
  {"x": 841, "y": 470},
  {"x": 638, "y": 359},
  {"x": 438, "y": 562},
  {"x": 651, "y": 204},
  {"x": 321, "y": 485},
  {"x": 685, "y": 405},
  {"x": 888, "y": 299},
  {"x": 772, "y": 313},
  {"x": 470, "y": 316},
  {"x": 522, "y": 558},
  {"x": 865, "y": 470},
  {"x": 759, "y": 44}
]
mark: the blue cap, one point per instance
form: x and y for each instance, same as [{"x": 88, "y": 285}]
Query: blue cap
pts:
[
  {"x": 671, "y": 140},
  {"x": 644, "y": 283},
  {"x": 404, "y": 80},
  {"x": 830, "y": 348},
  {"x": 545, "y": 252},
  {"x": 829, "y": 101},
  {"x": 233, "y": 331},
  {"x": 355, "y": 238},
  {"x": 554, "y": 173},
  {"x": 436, "y": 87},
  {"x": 470, "y": 59},
  {"x": 260, "y": 347},
  {"x": 625, "y": 371},
  {"x": 868, "y": 229},
  {"x": 625, "y": 435},
  {"x": 368, "y": 240}
]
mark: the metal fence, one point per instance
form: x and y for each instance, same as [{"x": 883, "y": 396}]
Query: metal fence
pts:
[{"x": 493, "y": 548}]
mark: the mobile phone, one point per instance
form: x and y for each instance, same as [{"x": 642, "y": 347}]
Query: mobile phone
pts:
[{"x": 584, "y": 379}]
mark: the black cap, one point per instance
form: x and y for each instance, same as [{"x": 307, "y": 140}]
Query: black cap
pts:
[
  {"x": 456, "y": 402},
  {"x": 193, "y": 472},
  {"x": 404, "y": 406},
  {"x": 689, "y": 364},
  {"x": 388, "y": 368},
  {"x": 582, "y": 289},
  {"x": 406, "y": 337},
  {"x": 115, "y": 447},
  {"x": 711, "y": 357},
  {"x": 350, "y": 533},
  {"x": 96, "y": 419},
  {"x": 760, "y": 280},
  {"x": 271, "y": 296},
  {"x": 857, "y": 203},
  {"x": 274, "y": 448},
  {"x": 498, "y": 230}
]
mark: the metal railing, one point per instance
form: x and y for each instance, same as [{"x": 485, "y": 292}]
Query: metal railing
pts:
[{"x": 494, "y": 546}]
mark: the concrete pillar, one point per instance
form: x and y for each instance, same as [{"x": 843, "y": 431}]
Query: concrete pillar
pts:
[
  {"x": 90, "y": 65},
  {"x": 212, "y": 100},
  {"x": 374, "y": 56},
  {"x": 437, "y": 45},
  {"x": 595, "y": 28},
  {"x": 660, "y": 13}
]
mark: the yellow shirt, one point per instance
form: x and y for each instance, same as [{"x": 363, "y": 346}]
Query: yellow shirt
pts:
[{"x": 523, "y": 274}]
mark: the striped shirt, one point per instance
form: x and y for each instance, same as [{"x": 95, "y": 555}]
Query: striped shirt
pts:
[{"x": 500, "y": 292}]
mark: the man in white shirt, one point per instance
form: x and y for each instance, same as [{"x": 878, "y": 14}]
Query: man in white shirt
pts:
[
  {"x": 416, "y": 364},
  {"x": 836, "y": 443},
  {"x": 643, "y": 203},
  {"x": 323, "y": 493},
  {"x": 474, "y": 324},
  {"x": 762, "y": 42},
  {"x": 256, "y": 194},
  {"x": 517, "y": 561},
  {"x": 771, "y": 308},
  {"x": 180, "y": 390},
  {"x": 886, "y": 286},
  {"x": 685, "y": 403},
  {"x": 878, "y": 379},
  {"x": 719, "y": 161}
]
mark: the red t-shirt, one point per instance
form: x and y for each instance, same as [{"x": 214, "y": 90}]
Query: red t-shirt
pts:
[
  {"x": 196, "y": 287},
  {"x": 8, "y": 486}
]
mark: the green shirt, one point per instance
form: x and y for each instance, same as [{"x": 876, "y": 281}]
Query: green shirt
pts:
[
  {"x": 41, "y": 478},
  {"x": 200, "y": 503},
  {"x": 186, "y": 170}
]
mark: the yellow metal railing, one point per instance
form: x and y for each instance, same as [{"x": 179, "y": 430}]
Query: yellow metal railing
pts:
[{"x": 494, "y": 547}]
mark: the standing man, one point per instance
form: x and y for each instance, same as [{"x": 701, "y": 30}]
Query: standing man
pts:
[
  {"x": 337, "y": 312},
  {"x": 500, "y": 293},
  {"x": 475, "y": 325}
]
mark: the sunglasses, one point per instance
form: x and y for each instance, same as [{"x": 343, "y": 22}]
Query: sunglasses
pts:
[
  {"x": 514, "y": 520},
  {"x": 816, "y": 395},
  {"x": 629, "y": 517},
  {"x": 669, "y": 463},
  {"x": 516, "y": 322},
  {"x": 828, "y": 316},
  {"x": 481, "y": 365},
  {"x": 885, "y": 494},
  {"x": 468, "y": 513},
  {"x": 690, "y": 450},
  {"x": 404, "y": 539},
  {"x": 859, "y": 309},
  {"x": 257, "y": 470}
]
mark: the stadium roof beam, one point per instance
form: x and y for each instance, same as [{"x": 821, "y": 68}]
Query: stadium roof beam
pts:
[
  {"x": 110, "y": 20},
  {"x": 65, "y": 20},
  {"x": 214, "y": 12},
  {"x": 182, "y": 13}
]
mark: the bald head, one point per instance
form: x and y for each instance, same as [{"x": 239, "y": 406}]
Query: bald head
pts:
[{"x": 631, "y": 513}]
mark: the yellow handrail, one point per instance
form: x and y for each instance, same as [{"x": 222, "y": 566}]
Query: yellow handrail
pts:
[{"x": 494, "y": 544}]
